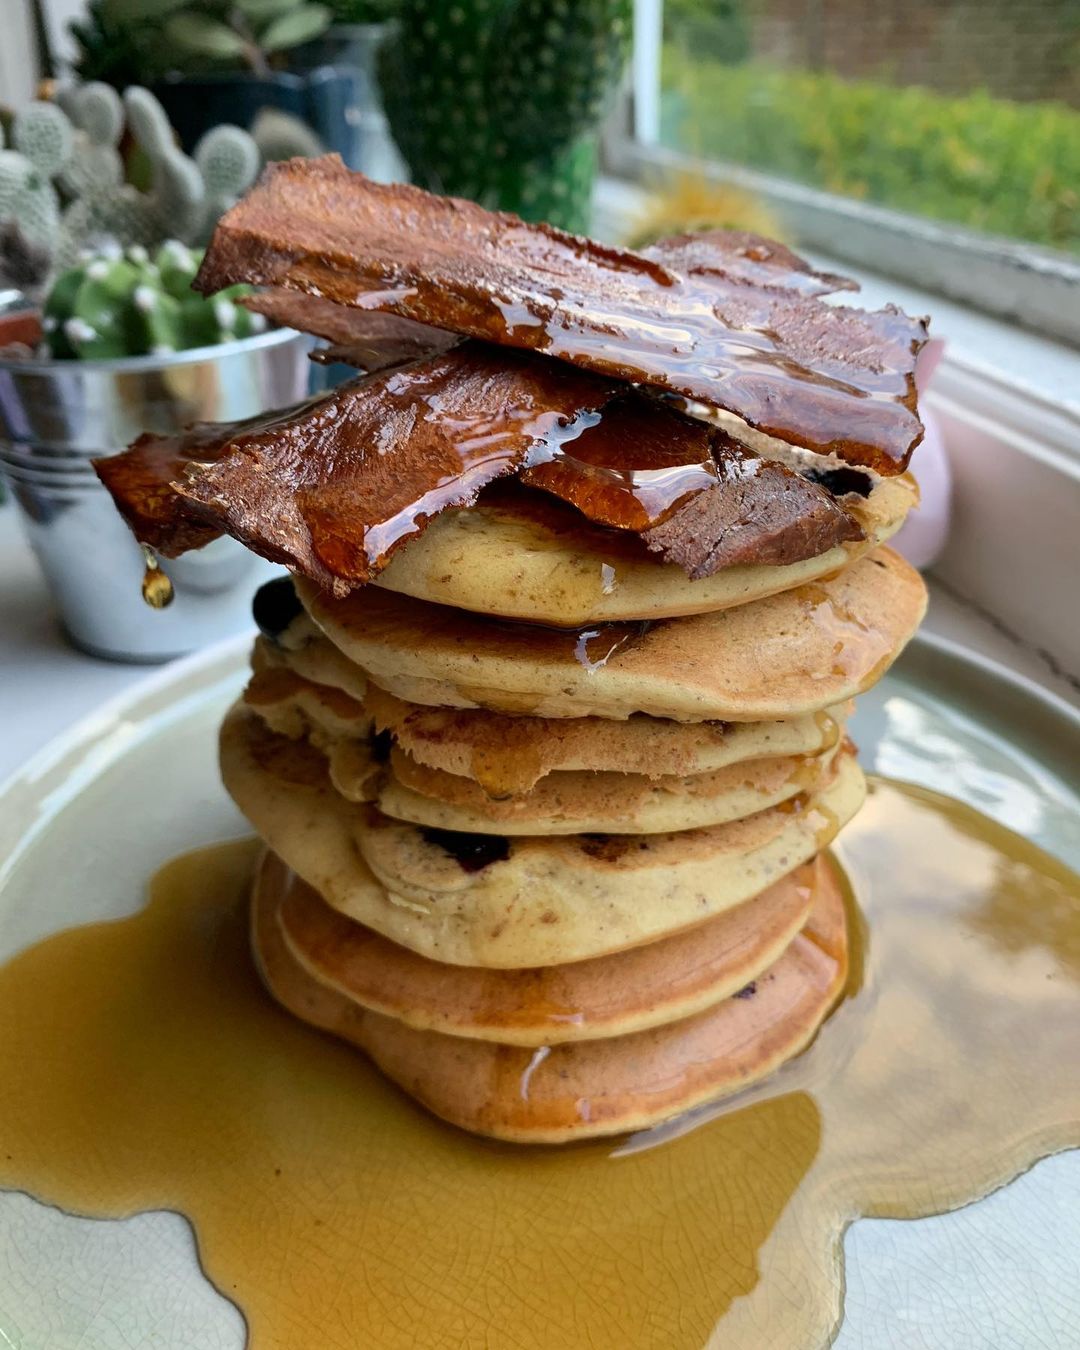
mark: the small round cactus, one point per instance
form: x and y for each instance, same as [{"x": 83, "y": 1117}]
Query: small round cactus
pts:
[{"x": 130, "y": 303}]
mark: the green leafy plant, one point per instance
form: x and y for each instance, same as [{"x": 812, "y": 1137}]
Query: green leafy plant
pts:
[
  {"x": 1007, "y": 168},
  {"x": 215, "y": 34},
  {"x": 129, "y": 303},
  {"x": 500, "y": 100},
  {"x": 118, "y": 50}
]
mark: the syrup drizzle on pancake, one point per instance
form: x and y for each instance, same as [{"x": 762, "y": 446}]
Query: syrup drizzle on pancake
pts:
[{"x": 149, "y": 1070}]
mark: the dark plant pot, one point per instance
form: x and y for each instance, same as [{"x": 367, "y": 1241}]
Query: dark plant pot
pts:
[{"x": 321, "y": 97}]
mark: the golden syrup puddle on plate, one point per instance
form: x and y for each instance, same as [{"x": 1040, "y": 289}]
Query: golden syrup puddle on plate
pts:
[{"x": 147, "y": 1069}]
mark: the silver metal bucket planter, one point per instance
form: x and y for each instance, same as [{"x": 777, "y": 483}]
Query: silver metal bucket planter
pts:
[{"x": 55, "y": 416}]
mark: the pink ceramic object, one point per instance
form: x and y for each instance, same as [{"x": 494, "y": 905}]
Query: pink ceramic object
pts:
[{"x": 923, "y": 534}]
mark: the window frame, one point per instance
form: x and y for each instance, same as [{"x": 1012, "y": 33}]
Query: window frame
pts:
[{"x": 1024, "y": 283}]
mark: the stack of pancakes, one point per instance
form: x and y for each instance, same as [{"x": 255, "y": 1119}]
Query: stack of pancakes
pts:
[{"x": 546, "y": 774}]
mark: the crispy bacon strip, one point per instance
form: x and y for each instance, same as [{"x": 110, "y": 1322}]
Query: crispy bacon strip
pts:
[{"x": 747, "y": 334}]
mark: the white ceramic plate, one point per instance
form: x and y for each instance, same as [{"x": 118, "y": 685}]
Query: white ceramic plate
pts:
[{"x": 137, "y": 784}]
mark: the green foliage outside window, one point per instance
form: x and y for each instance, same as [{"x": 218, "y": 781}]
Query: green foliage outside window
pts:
[{"x": 1006, "y": 168}]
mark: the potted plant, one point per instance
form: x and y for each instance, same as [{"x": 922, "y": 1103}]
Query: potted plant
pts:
[
  {"x": 503, "y": 103},
  {"x": 215, "y": 61},
  {"x": 126, "y": 347}
]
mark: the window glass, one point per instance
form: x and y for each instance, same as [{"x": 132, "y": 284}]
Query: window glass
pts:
[{"x": 965, "y": 111}]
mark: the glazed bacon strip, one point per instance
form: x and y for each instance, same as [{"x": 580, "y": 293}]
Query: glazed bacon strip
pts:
[
  {"x": 720, "y": 324},
  {"x": 332, "y": 487}
]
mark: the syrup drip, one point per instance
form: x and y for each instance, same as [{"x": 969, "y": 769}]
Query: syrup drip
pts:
[
  {"x": 157, "y": 589},
  {"x": 594, "y": 647},
  {"x": 149, "y": 1070},
  {"x": 636, "y": 463}
]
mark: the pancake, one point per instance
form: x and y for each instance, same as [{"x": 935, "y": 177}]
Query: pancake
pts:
[
  {"x": 507, "y": 755},
  {"x": 784, "y": 656},
  {"x": 511, "y": 754},
  {"x": 525, "y": 556},
  {"x": 527, "y": 901},
  {"x": 557, "y": 1094},
  {"x": 610, "y": 995},
  {"x": 583, "y": 802}
]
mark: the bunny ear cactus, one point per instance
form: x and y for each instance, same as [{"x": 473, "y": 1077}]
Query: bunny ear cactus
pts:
[
  {"x": 501, "y": 100},
  {"x": 62, "y": 185},
  {"x": 228, "y": 160},
  {"x": 95, "y": 166},
  {"x": 177, "y": 198}
]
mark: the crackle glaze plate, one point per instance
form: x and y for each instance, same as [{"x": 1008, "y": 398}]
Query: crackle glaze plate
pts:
[{"x": 86, "y": 824}]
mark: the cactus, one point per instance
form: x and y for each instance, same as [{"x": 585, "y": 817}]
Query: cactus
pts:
[
  {"x": 228, "y": 160},
  {"x": 43, "y": 135},
  {"x": 41, "y": 138},
  {"x": 131, "y": 304},
  {"x": 279, "y": 135},
  {"x": 500, "y": 100},
  {"x": 95, "y": 167},
  {"x": 62, "y": 183}
]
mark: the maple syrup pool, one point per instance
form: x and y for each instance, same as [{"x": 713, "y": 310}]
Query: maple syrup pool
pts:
[{"x": 153, "y": 1072}]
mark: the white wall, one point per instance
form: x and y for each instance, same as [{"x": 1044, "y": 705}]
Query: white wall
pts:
[{"x": 18, "y": 73}]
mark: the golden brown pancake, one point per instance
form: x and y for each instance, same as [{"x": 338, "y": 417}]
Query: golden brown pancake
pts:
[
  {"x": 581, "y": 802},
  {"x": 557, "y": 1094},
  {"x": 608, "y": 996},
  {"x": 547, "y": 564},
  {"x": 780, "y": 657},
  {"x": 526, "y": 901},
  {"x": 507, "y": 754}
]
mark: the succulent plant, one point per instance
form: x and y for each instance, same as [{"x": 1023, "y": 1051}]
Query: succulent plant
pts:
[
  {"x": 500, "y": 100},
  {"x": 119, "y": 50},
  {"x": 127, "y": 303},
  {"x": 41, "y": 140},
  {"x": 199, "y": 33}
]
